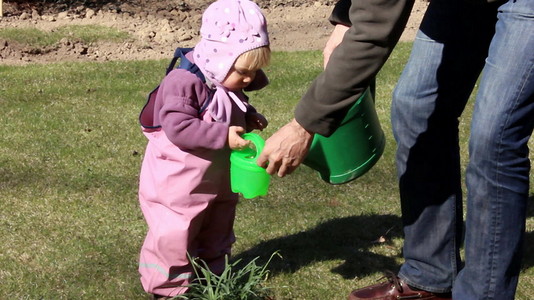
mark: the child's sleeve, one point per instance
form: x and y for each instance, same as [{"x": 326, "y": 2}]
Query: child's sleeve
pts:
[{"x": 182, "y": 94}]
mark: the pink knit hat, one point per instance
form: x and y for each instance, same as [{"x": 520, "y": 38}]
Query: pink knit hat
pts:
[{"x": 229, "y": 29}]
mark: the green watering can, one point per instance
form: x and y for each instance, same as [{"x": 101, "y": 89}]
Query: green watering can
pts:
[
  {"x": 246, "y": 176},
  {"x": 353, "y": 148}
]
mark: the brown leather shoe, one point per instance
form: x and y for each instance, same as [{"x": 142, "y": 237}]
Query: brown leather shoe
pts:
[{"x": 394, "y": 289}]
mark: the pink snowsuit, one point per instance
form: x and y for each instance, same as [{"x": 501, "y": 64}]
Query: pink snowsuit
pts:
[{"x": 184, "y": 189}]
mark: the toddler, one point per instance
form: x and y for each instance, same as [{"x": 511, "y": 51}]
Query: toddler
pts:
[{"x": 191, "y": 126}]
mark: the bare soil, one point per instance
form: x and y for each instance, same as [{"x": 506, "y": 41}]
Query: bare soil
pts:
[{"x": 158, "y": 27}]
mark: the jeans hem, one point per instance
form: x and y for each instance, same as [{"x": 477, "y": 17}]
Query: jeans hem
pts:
[{"x": 423, "y": 287}]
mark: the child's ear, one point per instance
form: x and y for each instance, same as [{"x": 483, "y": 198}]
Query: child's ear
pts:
[{"x": 260, "y": 81}]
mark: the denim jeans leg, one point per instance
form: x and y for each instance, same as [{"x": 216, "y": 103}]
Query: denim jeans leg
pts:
[
  {"x": 447, "y": 57},
  {"x": 498, "y": 171}
]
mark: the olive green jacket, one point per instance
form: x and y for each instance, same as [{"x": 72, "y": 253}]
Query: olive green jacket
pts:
[{"x": 375, "y": 28}]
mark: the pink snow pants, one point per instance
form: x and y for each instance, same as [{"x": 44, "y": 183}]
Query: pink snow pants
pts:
[{"x": 189, "y": 209}]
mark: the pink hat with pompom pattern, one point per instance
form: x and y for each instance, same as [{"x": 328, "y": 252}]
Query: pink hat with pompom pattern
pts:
[{"x": 229, "y": 29}]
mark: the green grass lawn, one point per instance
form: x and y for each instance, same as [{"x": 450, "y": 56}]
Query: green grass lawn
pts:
[
  {"x": 85, "y": 33},
  {"x": 70, "y": 154}
]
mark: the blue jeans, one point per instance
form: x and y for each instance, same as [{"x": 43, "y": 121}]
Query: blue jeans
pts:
[{"x": 457, "y": 41}]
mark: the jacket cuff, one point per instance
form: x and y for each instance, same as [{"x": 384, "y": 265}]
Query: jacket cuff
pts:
[{"x": 340, "y": 13}]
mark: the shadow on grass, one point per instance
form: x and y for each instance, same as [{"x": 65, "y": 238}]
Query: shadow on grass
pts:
[{"x": 348, "y": 239}]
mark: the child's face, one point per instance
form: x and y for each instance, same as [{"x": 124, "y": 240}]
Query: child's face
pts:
[{"x": 239, "y": 76}]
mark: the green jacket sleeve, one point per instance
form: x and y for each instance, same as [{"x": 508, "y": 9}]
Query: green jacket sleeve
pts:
[{"x": 375, "y": 28}]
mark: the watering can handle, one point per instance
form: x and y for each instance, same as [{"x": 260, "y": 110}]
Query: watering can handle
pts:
[{"x": 257, "y": 140}]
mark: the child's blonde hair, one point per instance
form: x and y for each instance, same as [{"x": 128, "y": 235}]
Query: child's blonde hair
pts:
[{"x": 256, "y": 58}]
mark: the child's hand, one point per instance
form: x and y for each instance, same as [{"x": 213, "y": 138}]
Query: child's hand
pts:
[
  {"x": 256, "y": 121},
  {"x": 235, "y": 142}
]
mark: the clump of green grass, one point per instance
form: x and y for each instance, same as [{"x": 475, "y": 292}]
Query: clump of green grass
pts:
[
  {"x": 85, "y": 33},
  {"x": 235, "y": 282}
]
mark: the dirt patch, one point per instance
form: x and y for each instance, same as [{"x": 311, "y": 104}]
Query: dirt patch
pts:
[{"x": 158, "y": 27}]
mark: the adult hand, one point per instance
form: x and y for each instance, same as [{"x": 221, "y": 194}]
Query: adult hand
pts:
[
  {"x": 335, "y": 39},
  {"x": 285, "y": 150}
]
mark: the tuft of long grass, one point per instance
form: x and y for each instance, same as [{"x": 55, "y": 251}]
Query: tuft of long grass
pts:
[{"x": 238, "y": 281}]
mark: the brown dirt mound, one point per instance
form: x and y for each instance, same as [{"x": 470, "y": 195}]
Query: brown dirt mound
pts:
[{"x": 158, "y": 27}]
